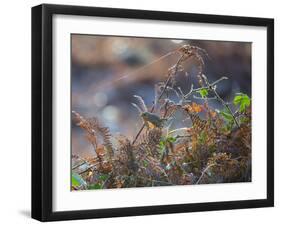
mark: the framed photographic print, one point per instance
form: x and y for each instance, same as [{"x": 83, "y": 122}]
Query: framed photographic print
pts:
[{"x": 147, "y": 112}]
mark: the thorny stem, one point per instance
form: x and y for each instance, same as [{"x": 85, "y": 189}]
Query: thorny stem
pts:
[
  {"x": 219, "y": 80},
  {"x": 141, "y": 129},
  {"x": 179, "y": 129},
  {"x": 86, "y": 170},
  {"x": 192, "y": 90},
  {"x": 203, "y": 173},
  {"x": 212, "y": 88},
  {"x": 179, "y": 136},
  {"x": 204, "y": 98},
  {"x": 208, "y": 86},
  {"x": 168, "y": 80},
  {"x": 166, "y": 110},
  {"x": 78, "y": 165},
  {"x": 162, "y": 93},
  {"x": 227, "y": 106},
  {"x": 104, "y": 183},
  {"x": 89, "y": 168}
]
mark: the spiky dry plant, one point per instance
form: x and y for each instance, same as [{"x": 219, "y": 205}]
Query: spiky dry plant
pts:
[
  {"x": 216, "y": 148},
  {"x": 93, "y": 128}
]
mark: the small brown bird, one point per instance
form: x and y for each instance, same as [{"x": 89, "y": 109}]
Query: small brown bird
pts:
[{"x": 152, "y": 120}]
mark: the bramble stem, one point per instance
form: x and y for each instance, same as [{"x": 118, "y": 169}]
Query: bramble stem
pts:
[
  {"x": 226, "y": 105},
  {"x": 203, "y": 173},
  {"x": 212, "y": 88},
  {"x": 78, "y": 165}
]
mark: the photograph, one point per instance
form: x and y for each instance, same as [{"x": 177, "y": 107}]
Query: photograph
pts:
[
  {"x": 149, "y": 112},
  {"x": 142, "y": 112}
]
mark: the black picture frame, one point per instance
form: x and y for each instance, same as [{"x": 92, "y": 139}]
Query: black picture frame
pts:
[{"x": 42, "y": 107}]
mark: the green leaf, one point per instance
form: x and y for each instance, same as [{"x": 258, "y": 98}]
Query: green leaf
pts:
[
  {"x": 203, "y": 92},
  {"x": 237, "y": 100},
  {"x": 145, "y": 163},
  {"x": 94, "y": 186},
  {"x": 244, "y": 120},
  {"x": 103, "y": 177},
  {"x": 226, "y": 115},
  {"x": 77, "y": 180},
  {"x": 162, "y": 144},
  {"x": 242, "y": 100},
  {"x": 202, "y": 137},
  {"x": 171, "y": 139}
]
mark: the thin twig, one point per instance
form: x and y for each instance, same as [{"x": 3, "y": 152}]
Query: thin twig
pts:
[
  {"x": 226, "y": 106},
  {"x": 161, "y": 94},
  {"x": 203, "y": 173},
  {"x": 166, "y": 109},
  {"x": 78, "y": 165},
  {"x": 219, "y": 80},
  {"x": 204, "y": 98},
  {"x": 107, "y": 179},
  {"x": 169, "y": 79},
  {"x": 182, "y": 136},
  {"x": 192, "y": 90},
  {"x": 90, "y": 167},
  {"x": 212, "y": 87}
]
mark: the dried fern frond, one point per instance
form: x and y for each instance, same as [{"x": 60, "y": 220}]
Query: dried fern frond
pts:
[
  {"x": 127, "y": 156},
  {"x": 150, "y": 142},
  {"x": 168, "y": 108},
  {"x": 93, "y": 128},
  {"x": 226, "y": 167},
  {"x": 240, "y": 139},
  {"x": 92, "y": 139},
  {"x": 104, "y": 132},
  {"x": 154, "y": 136},
  {"x": 210, "y": 151},
  {"x": 197, "y": 123},
  {"x": 81, "y": 122},
  {"x": 87, "y": 127},
  {"x": 194, "y": 52}
]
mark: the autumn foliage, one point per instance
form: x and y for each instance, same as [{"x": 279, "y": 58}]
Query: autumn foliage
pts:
[{"x": 216, "y": 148}]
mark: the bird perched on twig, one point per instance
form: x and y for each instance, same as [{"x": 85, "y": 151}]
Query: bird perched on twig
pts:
[{"x": 152, "y": 120}]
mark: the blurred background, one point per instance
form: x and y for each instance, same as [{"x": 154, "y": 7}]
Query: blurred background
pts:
[{"x": 108, "y": 71}]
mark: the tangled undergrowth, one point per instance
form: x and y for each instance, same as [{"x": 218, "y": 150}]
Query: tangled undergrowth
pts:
[{"x": 215, "y": 149}]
